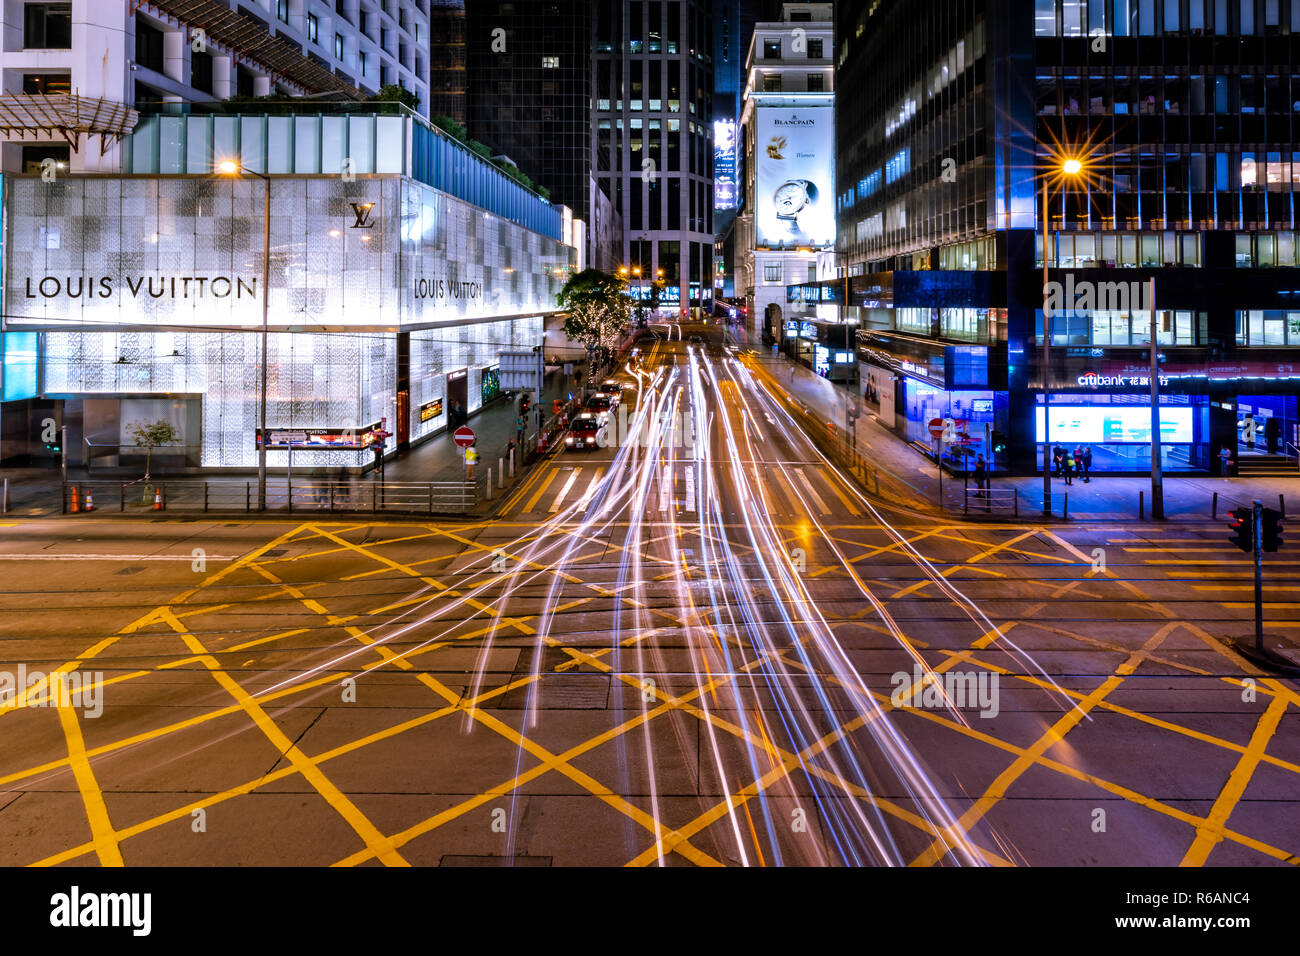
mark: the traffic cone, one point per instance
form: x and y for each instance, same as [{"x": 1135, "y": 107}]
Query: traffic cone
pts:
[
  {"x": 90, "y": 502},
  {"x": 76, "y": 501},
  {"x": 157, "y": 500}
]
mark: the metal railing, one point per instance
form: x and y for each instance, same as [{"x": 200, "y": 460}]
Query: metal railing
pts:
[
  {"x": 292, "y": 497},
  {"x": 970, "y": 499}
]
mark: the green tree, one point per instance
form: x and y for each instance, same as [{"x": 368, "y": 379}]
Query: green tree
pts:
[
  {"x": 393, "y": 93},
  {"x": 599, "y": 309},
  {"x": 151, "y": 436}
]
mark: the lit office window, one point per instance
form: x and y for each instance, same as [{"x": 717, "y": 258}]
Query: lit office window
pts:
[{"x": 550, "y": 63}]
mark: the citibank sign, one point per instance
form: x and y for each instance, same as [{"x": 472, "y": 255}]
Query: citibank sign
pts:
[{"x": 1093, "y": 380}]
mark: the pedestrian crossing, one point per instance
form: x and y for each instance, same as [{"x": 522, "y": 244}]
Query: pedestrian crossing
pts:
[{"x": 792, "y": 490}]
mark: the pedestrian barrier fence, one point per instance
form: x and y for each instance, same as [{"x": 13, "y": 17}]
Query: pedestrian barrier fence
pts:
[{"x": 430, "y": 497}]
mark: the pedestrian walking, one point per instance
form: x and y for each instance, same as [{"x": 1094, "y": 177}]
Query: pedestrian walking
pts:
[
  {"x": 1085, "y": 463},
  {"x": 1069, "y": 468},
  {"x": 471, "y": 459},
  {"x": 1225, "y": 461},
  {"x": 521, "y": 424},
  {"x": 1058, "y": 461},
  {"x": 981, "y": 476}
]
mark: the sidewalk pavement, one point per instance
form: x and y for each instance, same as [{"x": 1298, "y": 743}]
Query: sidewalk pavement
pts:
[
  {"x": 1105, "y": 497},
  {"x": 35, "y": 491}
]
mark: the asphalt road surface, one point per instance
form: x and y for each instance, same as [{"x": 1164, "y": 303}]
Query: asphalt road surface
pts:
[{"x": 699, "y": 645}]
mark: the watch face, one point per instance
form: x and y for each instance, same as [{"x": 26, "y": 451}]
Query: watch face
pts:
[{"x": 790, "y": 198}]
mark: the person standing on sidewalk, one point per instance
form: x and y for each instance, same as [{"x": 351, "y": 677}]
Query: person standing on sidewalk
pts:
[
  {"x": 1085, "y": 463},
  {"x": 981, "y": 476},
  {"x": 1068, "y": 468},
  {"x": 471, "y": 459},
  {"x": 521, "y": 424}
]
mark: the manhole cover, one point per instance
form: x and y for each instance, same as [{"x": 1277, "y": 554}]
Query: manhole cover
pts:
[
  {"x": 450, "y": 860},
  {"x": 275, "y": 553},
  {"x": 561, "y": 692}
]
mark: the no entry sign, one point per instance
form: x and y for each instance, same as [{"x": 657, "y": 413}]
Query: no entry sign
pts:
[{"x": 464, "y": 436}]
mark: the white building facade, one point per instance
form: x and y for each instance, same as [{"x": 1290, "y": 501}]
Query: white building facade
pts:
[
  {"x": 788, "y": 139},
  {"x": 75, "y": 71}
]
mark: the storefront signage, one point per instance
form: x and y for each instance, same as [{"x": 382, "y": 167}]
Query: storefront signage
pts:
[
  {"x": 913, "y": 368},
  {"x": 431, "y": 410},
  {"x": 320, "y": 439},
  {"x": 1094, "y": 380},
  {"x": 445, "y": 289},
  {"x": 138, "y": 287}
]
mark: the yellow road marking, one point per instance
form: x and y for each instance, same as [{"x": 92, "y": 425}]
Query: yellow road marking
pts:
[
  {"x": 1211, "y": 834},
  {"x": 376, "y": 841},
  {"x": 552, "y": 471},
  {"x": 101, "y": 828}
]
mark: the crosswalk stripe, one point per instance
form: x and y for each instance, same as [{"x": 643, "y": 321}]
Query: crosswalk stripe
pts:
[
  {"x": 812, "y": 492},
  {"x": 690, "y": 487},
  {"x": 591, "y": 488},
  {"x": 792, "y": 499},
  {"x": 555, "y": 505}
]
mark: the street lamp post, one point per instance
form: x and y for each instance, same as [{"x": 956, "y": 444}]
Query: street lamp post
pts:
[
  {"x": 1071, "y": 167},
  {"x": 232, "y": 168}
]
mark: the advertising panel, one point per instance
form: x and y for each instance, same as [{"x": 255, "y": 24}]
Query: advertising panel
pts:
[
  {"x": 1116, "y": 424},
  {"x": 795, "y": 188},
  {"x": 725, "y": 190}
]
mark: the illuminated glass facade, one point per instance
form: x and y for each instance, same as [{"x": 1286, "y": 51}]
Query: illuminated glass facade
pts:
[
  {"x": 146, "y": 287},
  {"x": 1183, "y": 113}
]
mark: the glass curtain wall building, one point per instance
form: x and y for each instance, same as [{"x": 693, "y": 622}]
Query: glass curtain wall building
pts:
[
  {"x": 653, "y": 140},
  {"x": 1182, "y": 113},
  {"x": 389, "y": 297}
]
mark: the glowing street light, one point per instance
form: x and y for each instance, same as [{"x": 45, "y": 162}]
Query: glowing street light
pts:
[
  {"x": 231, "y": 167},
  {"x": 1071, "y": 167}
]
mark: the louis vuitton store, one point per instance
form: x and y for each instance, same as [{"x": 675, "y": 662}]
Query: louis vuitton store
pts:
[{"x": 138, "y": 298}]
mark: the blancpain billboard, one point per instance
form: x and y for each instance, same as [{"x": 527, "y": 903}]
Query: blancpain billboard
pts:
[{"x": 795, "y": 188}]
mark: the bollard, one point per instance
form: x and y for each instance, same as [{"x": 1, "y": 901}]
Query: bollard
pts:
[
  {"x": 1281, "y": 504},
  {"x": 1142, "y": 511},
  {"x": 1065, "y": 507},
  {"x": 512, "y": 463},
  {"x": 488, "y": 493},
  {"x": 1016, "y": 492},
  {"x": 501, "y": 473},
  {"x": 1214, "y": 506},
  {"x": 6, "y": 500}
]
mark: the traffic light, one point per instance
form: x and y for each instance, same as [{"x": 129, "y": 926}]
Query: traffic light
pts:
[
  {"x": 999, "y": 443},
  {"x": 1242, "y": 524},
  {"x": 1270, "y": 530}
]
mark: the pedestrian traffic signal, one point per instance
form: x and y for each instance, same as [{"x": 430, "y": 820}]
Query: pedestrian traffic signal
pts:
[
  {"x": 1271, "y": 530},
  {"x": 999, "y": 443},
  {"x": 1242, "y": 524}
]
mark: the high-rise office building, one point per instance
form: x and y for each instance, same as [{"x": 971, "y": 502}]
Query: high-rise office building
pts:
[
  {"x": 447, "y": 60},
  {"x": 529, "y": 91},
  {"x": 950, "y": 122},
  {"x": 653, "y": 140}
]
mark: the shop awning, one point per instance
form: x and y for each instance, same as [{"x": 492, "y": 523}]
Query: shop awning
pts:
[
  {"x": 250, "y": 38},
  {"x": 67, "y": 116}
]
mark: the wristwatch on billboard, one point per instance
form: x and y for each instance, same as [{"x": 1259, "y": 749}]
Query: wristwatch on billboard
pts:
[{"x": 791, "y": 198}]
